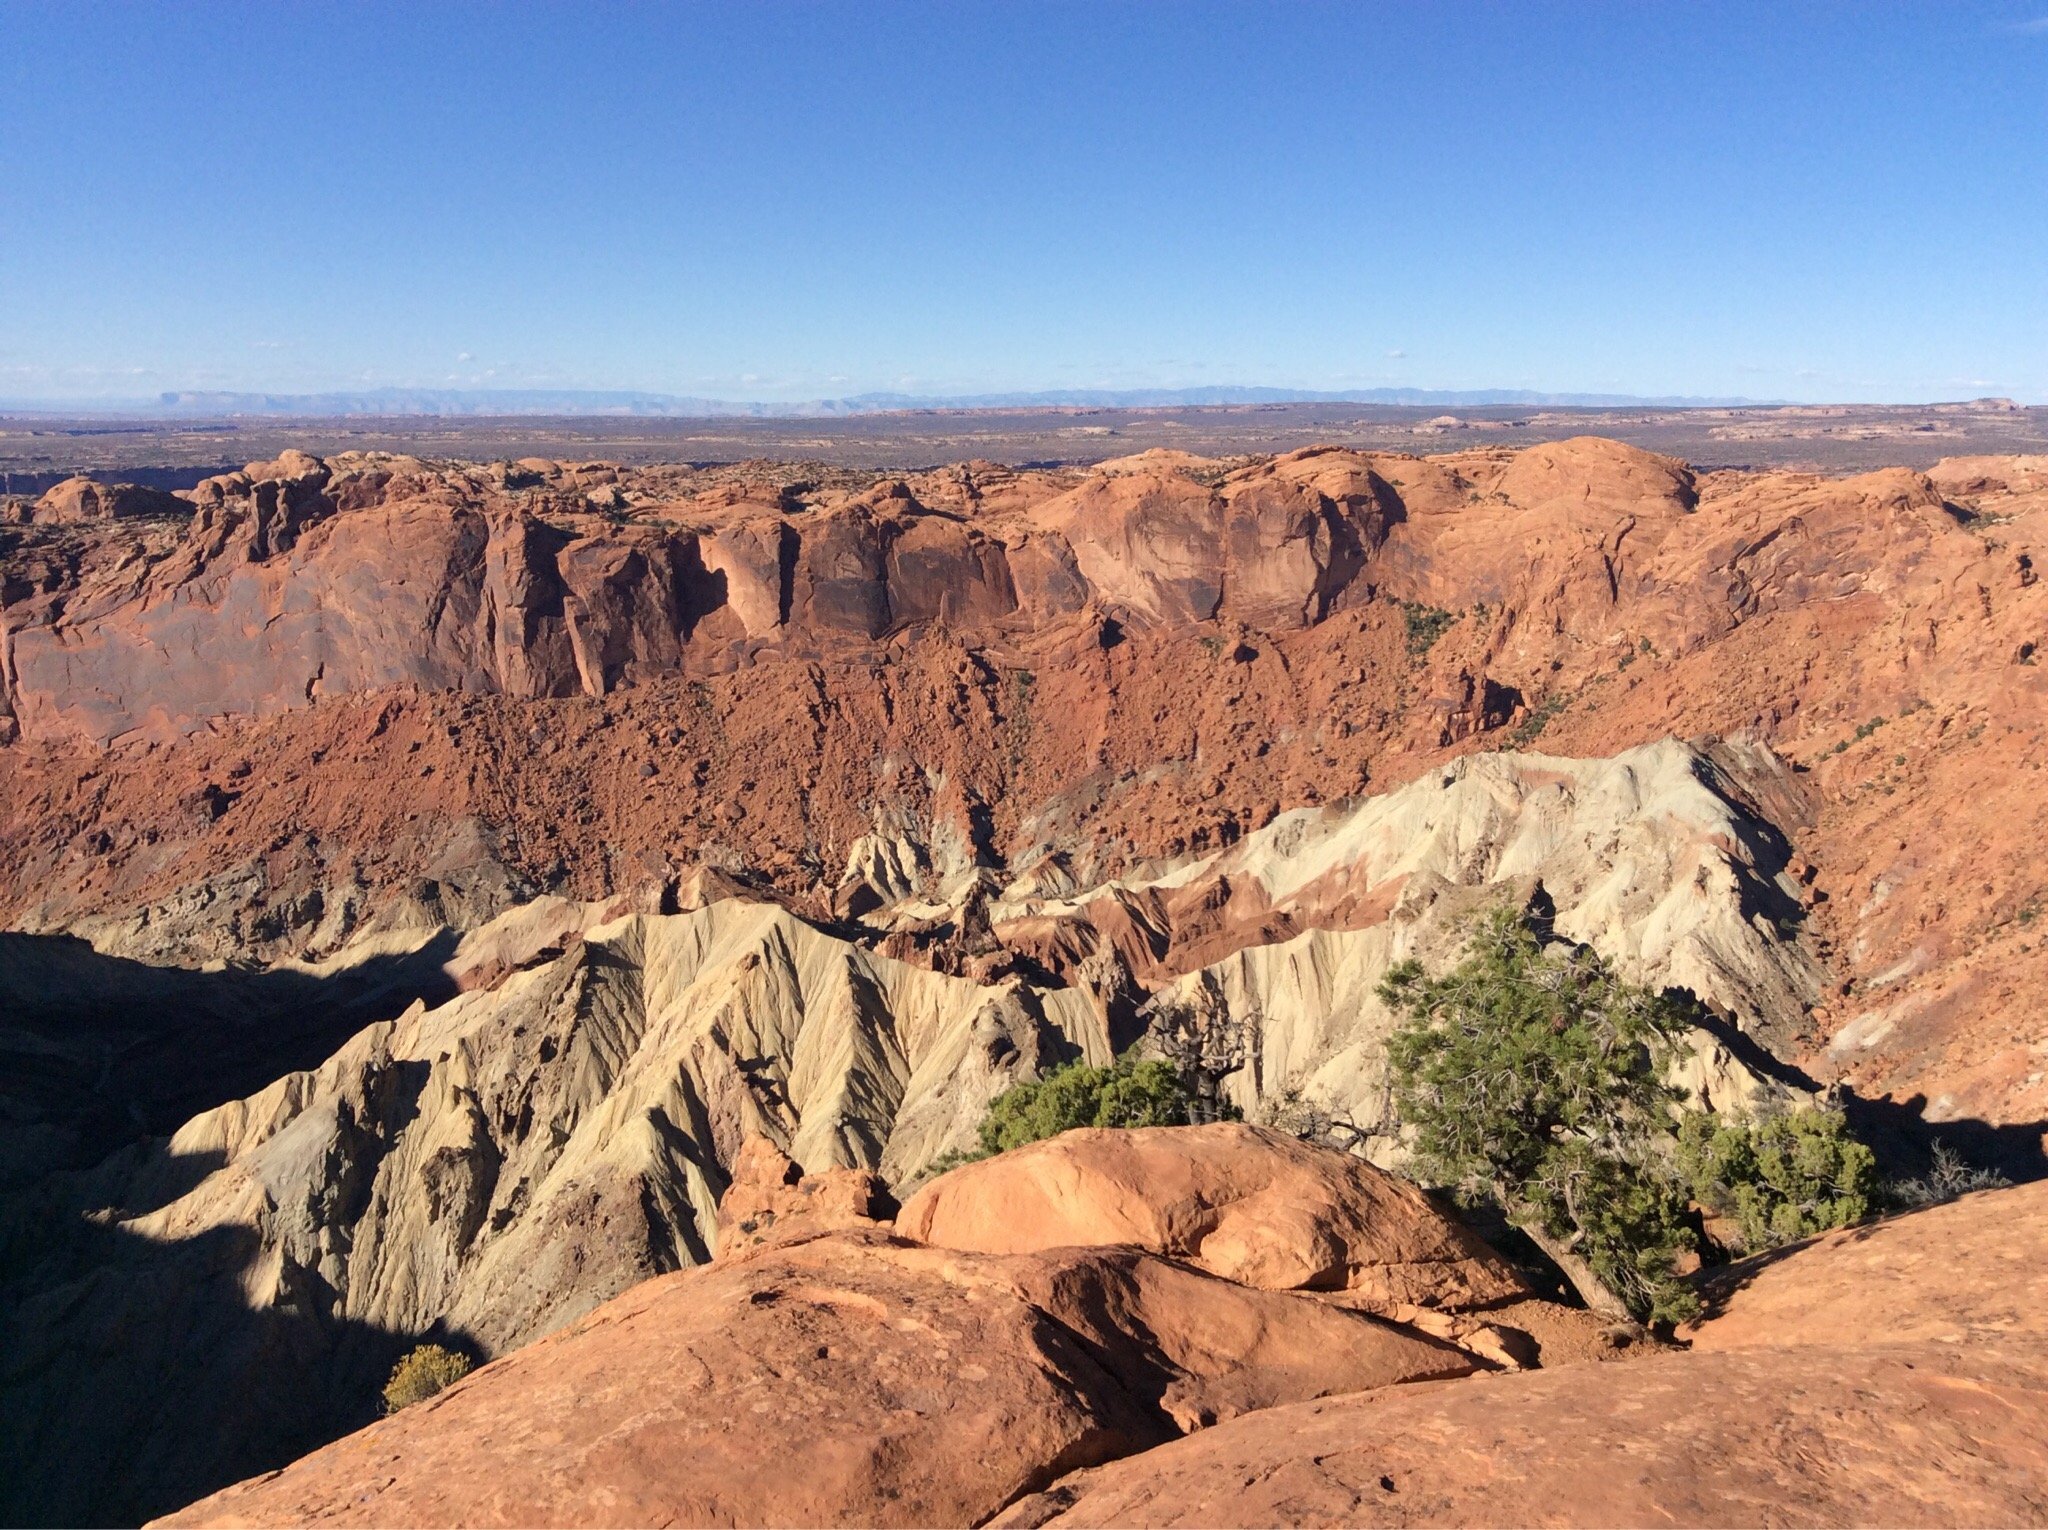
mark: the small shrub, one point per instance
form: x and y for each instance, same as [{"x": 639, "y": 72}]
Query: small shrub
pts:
[
  {"x": 1127, "y": 1093},
  {"x": 1530, "y": 728},
  {"x": 1293, "y": 1113},
  {"x": 1423, "y": 625},
  {"x": 1779, "y": 1177},
  {"x": 427, "y": 1370},
  {"x": 1951, "y": 1176}
]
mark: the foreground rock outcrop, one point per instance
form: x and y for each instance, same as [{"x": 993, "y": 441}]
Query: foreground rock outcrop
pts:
[
  {"x": 1916, "y": 1435},
  {"x": 857, "y": 1378},
  {"x": 1250, "y": 1205},
  {"x": 1968, "y": 1274},
  {"x": 840, "y": 1378},
  {"x": 1879, "y": 1376}
]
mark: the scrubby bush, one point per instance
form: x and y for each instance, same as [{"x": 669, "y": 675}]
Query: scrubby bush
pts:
[
  {"x": 1127, "y": 1093},
  {"x": 1534, "y": 1076},
  {"x": 1779, "y": 1177},
  {"x": 1951, "y": 1176},
  {"x": 422, "y": 1373},
  {"x": 1422, "y": 625}
]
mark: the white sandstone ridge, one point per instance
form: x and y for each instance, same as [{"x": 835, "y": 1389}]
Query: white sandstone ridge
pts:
[
  {"x": 538, "y": 1145},
  {"x": 1265, "y": 956},
  {"x": 491, "y": 1168}
]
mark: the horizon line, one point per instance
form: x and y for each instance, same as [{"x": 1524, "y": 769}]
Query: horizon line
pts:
[{"x": 396, "y": 401}]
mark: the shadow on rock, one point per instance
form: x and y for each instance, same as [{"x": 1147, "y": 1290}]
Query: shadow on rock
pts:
[
  {"x": 1904, "y": 1139},
  {"x": 101, "y": 1051},
  {"x": 175, "y": 1386}
]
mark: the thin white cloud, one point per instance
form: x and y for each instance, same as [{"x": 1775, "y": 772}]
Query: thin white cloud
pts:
[{"x": 2037, "y": 27}]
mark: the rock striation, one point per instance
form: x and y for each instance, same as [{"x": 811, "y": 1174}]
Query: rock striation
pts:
[{"x": 1264, "y": 959}]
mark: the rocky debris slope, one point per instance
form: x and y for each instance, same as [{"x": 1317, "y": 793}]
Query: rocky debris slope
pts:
[
  {"x": 1880, "y": 1375},
  {"x": 859, "y": 1377}
]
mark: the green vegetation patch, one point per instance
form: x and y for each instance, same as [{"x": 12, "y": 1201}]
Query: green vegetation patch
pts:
[
  {"x": 1779, "y": 1178},
  {"x": 1530, "y": 728},
  {"x": 1532, "y": 1076},
  {"x": 1126, "y": 1093},
  {"x": 1423, "y": 625}
]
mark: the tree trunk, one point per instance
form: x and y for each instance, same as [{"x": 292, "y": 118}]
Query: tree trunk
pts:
[{"x": 1593, "y": 1291}]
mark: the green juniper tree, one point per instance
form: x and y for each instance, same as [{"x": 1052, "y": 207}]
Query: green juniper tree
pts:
[{"x": 1535, "y": 1077}]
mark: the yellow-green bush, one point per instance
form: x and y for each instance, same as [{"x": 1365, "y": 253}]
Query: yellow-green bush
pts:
[{"x": 427, "y": 1370}]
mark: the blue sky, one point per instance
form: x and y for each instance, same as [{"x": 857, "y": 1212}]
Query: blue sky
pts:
[{"x": 784, "y": 201}]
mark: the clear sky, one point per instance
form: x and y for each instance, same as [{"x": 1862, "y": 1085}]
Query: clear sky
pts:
[{"x": 782, "y": 201}]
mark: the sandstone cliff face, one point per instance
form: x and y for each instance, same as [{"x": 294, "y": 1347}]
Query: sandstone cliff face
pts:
[
  {"x": 482, "y": 683},
  {"x": 298, "y": 581}
]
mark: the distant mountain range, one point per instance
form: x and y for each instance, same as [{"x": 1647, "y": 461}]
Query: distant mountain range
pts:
[{"x": 473, "y": 402}]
